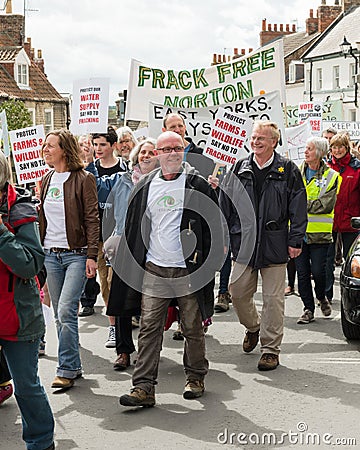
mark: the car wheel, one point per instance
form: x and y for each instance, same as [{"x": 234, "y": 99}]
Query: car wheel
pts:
[{"x": 351, "y": 331}]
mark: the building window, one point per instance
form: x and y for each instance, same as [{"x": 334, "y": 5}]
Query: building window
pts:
[
  {"x": 352, "y": 115},
  {"x": 23, "y": 74},
  {"x": 308, "y": 80},
  {"x": 319, "y": 79},
  {"x": 352, "y": 75},
  {"x": 49, "y": 120},
  {"x": 32, "y": 115},
  {"x": 296, "y": 71},
  {"x": 336, "y": 77}
]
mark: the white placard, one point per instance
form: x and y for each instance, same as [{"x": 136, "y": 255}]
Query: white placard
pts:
[
  {"x": 311, "y": 111},
  {"x": 26, "y": 151},
  {"x": 226, "y": 141},
  {"x": 5, "y": 133},
  {"x": 90, "y": 106}
]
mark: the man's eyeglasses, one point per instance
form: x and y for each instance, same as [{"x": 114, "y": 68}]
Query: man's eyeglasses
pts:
[
  {"x": 125, "y": 141},
  {"x": 177, "y": 149},
  {"x": 259, "y": 138}
]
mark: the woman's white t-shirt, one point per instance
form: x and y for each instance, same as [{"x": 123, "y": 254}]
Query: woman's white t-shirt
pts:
[{"x": 54, "y": 210}]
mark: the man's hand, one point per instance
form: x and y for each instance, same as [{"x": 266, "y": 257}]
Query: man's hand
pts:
[
  {"x": 91, "y": 267},
  {"x": 213, "y": 181},
  {"x": 294, "y": 252}
]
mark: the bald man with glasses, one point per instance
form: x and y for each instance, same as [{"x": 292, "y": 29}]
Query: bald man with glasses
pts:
[{"x": 168, "y": 252}]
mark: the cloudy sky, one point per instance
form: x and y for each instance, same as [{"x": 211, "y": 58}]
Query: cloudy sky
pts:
[{"x": 98, "y": 38}]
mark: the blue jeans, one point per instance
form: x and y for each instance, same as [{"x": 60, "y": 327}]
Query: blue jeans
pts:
[
  {"x": 66, "y": 279},
  {"x": 36, "y": 414},
  {"x": 312, "y": 260}
]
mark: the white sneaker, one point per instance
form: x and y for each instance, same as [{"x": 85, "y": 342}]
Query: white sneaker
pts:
[{"x": 111, "y": 342}]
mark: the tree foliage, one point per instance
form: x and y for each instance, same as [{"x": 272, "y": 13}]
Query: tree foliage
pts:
[{"x": 17, "y": 114}]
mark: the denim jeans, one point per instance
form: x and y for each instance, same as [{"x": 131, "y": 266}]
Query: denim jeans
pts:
[
  {"x": 312, "y": 260},
  {"x": 36, "y": 414},
  {"x": 225, "y": 274},
  {"x": 66, "y": 279}
]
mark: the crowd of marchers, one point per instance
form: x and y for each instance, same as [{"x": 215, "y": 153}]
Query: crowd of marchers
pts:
[{"x": 148, "y": 223}]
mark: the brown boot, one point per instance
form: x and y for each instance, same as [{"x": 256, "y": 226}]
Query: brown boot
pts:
[
  {"x": 250, "y": 341},
  {"x": 222, "y": 304},
  {"x": 122, "y": 362},
  {"x": 268, "y": 361},
  {"x": 138, "y": 397}
]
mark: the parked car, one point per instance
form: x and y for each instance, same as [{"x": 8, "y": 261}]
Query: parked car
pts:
[{"x": 350, "y": 289}]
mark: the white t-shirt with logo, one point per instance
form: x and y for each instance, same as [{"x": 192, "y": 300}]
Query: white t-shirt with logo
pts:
[
  {"x": 165, "y": 208},
  {"x": 54, "y": 210}
]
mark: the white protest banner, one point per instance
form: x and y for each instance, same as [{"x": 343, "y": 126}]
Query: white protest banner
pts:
[
  {"x": 226, "y": 141},
  {"x": 296, "y": 138},
  {"x": 353, "y": 128},
  {"x": 199, "y": 121},
  {"x": 313, "y": 112},
  {"x": 257, "y": 73},
  {"x": 26, "y": 150},
  {"x": 5, "y": 132},
  {"x": 90, "y": 106}
]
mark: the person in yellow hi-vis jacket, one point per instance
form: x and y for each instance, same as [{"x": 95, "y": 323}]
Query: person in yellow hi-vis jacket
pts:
[{"x": 322, "y": 184}]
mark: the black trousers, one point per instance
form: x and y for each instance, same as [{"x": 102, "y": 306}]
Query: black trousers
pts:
[
  {"x": 123, "y": 335},
  {"x": 4, "y": 371}
]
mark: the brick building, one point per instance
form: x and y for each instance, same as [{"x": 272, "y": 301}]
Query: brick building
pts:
[
  {"x": 296, "y": 43},
  {"x": 22, "y": 75}
]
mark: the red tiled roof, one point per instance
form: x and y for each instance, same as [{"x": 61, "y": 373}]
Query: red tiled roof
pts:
[
  {"x": 5, "y": 39},
  {"x": 9, "y": 53},
  {"x": 40, "y": 88}
]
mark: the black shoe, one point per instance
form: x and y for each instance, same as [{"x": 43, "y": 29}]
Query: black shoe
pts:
[
  {"x": 52, "y": 447},
  {"x": 177, "y": 335},
  {"x": 86, "y": 311}
]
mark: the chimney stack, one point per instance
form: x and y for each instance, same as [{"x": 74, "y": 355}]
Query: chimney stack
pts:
[{"x": 8, "y": 7}]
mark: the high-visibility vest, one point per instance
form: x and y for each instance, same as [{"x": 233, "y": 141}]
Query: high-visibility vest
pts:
[{"x": 320, "y": 223}]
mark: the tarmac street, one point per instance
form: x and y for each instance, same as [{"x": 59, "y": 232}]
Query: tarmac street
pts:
[{"x": 312, "y": 400}]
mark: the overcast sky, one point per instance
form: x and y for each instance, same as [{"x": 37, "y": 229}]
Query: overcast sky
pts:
[{"x": 98, "y": 38}]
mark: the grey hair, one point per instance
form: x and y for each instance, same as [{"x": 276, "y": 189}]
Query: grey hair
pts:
[
  {"x": 321, "y": 146},
  {"x": 330, "y": 130},
  {"x": 5, "y": 172},
  {"x": 126, "y": 130},
  {"x": 134, "y": 154}
]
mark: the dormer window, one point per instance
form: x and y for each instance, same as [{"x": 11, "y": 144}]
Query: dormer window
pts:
[
  {"x": 21, "y": 69},
  {"x": 23, "y": 75}
]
